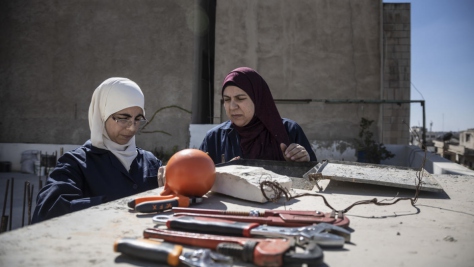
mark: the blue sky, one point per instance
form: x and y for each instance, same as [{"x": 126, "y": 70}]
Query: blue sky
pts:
[{"x": 442, "y": 63}]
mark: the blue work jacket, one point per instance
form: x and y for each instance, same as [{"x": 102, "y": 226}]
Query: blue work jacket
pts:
[
  {"x": 223, "y": 139},
  {"x": 89, "y": 176}
]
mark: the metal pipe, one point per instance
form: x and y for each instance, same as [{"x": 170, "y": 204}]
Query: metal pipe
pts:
[
  {"x": 346, "y": 101},
  {"x": 24, "y": 203},
  {"x": 30, "y": 201},
  {"x": 11, "y": 204},
  {"x": 203, "y": 80},
  {"x": 4, "y": 222},
  {"x": 423, "y": 131},
  {"x": 362, "y": 101}
]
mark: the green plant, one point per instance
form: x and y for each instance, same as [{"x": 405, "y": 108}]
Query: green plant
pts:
[{"x": 368, "y": 150}]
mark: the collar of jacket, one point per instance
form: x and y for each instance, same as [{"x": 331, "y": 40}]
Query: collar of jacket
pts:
[
  {"x": 88, "y": 145},
  {"x": 227, "y": 126}
]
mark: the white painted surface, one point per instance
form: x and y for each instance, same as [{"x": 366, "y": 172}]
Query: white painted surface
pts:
[
  {"x": 334, "y": 150},
  {"x": 12, "y": 152},
  {"x": 197, "y": 133}
]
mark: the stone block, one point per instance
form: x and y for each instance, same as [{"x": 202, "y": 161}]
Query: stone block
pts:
[{"x": 244, "y": 182}]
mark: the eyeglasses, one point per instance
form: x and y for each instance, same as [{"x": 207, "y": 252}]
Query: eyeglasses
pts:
[{"x": 125, "y": 123}]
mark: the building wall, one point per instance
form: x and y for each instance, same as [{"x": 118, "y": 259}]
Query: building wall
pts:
[
  {"x": 319, "y": 49},
  {"x": 466, "y": 139},
  {"x": 53, "y": 54},
  {"x": 396, "y": 73}
]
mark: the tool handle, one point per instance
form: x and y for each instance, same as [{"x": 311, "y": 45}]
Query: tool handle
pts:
[
  {"x": 131, "y": 204},
  {"x": 210, "y": 211},
  {"x": 210, "y": 226},
  {"x": 149, "y": 250},
  {"x": 161, "y": 205}
]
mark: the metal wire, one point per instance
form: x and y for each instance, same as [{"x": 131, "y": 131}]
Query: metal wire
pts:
[{"x": 278, "y": 190}]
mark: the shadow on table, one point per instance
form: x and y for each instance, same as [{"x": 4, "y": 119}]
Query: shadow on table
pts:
[{"x": 348, "y": 188}]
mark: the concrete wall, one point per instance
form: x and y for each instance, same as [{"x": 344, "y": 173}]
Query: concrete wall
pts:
[
  {"x": 396, "y": 73},
  {"x": 53, "y": 54},
  {"x": 309, "y": 49},
  {"x": 466, "y": 138}
]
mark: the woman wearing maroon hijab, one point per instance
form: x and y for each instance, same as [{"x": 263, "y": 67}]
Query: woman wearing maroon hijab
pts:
[{"x": 255, "y": 129}]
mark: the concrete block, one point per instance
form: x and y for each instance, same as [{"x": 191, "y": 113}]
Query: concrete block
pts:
[{"x": 244, "y": 182}]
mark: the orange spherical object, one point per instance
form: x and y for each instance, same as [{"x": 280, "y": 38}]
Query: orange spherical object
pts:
[{"x": 190, "y": 172}]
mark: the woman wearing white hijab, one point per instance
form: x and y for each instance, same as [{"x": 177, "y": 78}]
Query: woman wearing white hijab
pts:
[{"x": 109, "y": 166}]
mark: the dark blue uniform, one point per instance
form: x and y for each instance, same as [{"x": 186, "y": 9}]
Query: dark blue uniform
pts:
[
  {"x": 89, "y": 176},
  {"x": 223, "y": 139}
]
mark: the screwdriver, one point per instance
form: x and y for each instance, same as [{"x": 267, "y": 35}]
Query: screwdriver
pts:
[{"x": 146, "y": 249}]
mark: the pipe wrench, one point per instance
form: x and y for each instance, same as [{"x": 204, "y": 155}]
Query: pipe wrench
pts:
[{"x": 259, "y": 251}]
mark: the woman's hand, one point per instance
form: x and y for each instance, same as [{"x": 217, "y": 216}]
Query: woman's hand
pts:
[
  {"x": 235, "y": 158},
  {"x": 162, "y": 181},
  {"x": 294, "y": 152},
  {"x": 161, "y": 176}
]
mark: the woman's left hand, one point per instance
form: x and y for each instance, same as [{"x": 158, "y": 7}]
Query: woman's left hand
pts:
[
  {"x": 294, "y": 152},
  {"x": 161, "y": 176},
  {"x": 162, "y": 182}
]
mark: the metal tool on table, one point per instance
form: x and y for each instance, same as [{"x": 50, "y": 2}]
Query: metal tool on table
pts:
[
  {"x": 259, "y": 251},
  {"x": 289, "y": 218},
  {"x": 161, "y": 203},
  {"x": 323, "y": 234},
  {"x": 171, "y": 254}
]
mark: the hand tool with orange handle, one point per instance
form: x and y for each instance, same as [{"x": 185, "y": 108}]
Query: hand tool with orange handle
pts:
[
  {"x": 171, "y": 254},
  {"x": 326, "y": 235},
  {"x": 289, "y": 218},
  {"x": 150, "y": 204},
  {"x": 259, "y": 251}
]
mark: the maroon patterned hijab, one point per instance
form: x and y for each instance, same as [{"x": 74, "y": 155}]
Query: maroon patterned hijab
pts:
[{"x": 262, "y": 136}]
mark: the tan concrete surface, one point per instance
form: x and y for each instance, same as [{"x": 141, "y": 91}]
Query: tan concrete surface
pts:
[{"x": 438, "y": 232}]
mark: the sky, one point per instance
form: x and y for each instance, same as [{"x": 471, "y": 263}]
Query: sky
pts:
[{"x": 442, "y": 63}]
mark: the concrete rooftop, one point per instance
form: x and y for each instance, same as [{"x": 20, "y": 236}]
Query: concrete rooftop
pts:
[{"x": 439, "y": 231}]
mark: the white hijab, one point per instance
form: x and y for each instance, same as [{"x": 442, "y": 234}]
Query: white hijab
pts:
[{"x": 113, "y": 95}]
